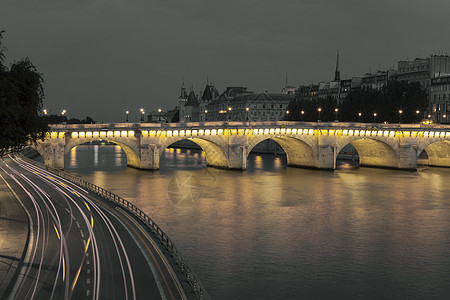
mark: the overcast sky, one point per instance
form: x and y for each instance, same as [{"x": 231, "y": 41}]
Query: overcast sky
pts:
[{"x": 102, "y": 57}]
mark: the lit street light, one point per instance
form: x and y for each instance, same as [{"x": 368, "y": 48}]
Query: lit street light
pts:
[
  {"x": 417, "y": 115},
  {"x": 63, "y": 114},
  {"x": 374, "y": 117},
  {"x": 336, "y": 110},
  {"x": 359, "y": 117},
  {"x": 400, "y": 116},
  {"x": 429, "y": 118},
  {"x": 247, "y": 109},
  {"x": 206, "y": 115},
  {"x": 229, "y": 113},
  {"x": 302, "y": 113},
  {"x": 142, "y": 114},
  {"x": 444, "y": 117},
  {"x": 318, "y": 112},
  {"x": 159, "y": 114},
  {"x": 127, "y": 113},
  {"x": 45, "y": 111},
  {"x": 287, "y": 115}
]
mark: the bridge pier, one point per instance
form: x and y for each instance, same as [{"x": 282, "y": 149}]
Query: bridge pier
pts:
[
  {"x": 53, "y": 155},
  {"x": 237, "y": 157},
  {"x": 149, "y": 157},
  {"x": 326, "y": 156},
  {"x": 407, "y": 157}
]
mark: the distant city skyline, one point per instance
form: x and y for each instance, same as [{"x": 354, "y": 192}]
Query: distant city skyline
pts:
[{"x": 101, "y": 58}]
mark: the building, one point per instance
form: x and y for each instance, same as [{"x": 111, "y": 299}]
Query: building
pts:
[
  {"x": 422, "y": 70},
  {"x": 379, "y": 80},
  {"x": 239, "y": 104},
  {"x": 193, "y": 109},
  {"x": 440, "y": 98}
]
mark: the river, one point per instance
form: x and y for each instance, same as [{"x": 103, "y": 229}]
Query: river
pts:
[{"x": 275, "y": 232}]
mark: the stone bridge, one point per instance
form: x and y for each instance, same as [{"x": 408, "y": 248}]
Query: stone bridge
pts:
[{"x": 227, "y": 144}]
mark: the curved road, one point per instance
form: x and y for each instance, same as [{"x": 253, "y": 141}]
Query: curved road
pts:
[{"x": 81, "y": 247}]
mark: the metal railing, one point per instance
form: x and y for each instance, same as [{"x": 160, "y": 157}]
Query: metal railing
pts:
[{"x": 141, "y": 216}]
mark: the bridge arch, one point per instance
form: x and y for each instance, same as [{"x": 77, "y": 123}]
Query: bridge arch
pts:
[
  {"x": 373, "y": 152},
  {"x": 215, "y": 151},
  {"x": 438, "y": 153},
  {"x": 299, "y": 153},
  {"x": 133, "y": 158}
]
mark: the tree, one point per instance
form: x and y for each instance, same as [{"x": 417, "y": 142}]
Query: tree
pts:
[
  {"x": 386, "y": 103},
  {"x": 21, "y": 94}
]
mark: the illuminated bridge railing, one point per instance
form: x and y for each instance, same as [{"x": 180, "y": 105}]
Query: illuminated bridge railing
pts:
[
  {"x": 199, "y": 129},
  {"x": 139, "y": 214}
]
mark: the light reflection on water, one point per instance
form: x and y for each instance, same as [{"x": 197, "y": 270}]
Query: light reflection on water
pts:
[{"x": 273, "y": 232}]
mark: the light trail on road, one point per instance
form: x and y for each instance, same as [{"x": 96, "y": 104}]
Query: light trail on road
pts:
[{"x": 82, "y": 248}]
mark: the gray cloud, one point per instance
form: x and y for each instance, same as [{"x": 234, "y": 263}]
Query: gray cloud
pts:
[{"x": 101, "y": 57}]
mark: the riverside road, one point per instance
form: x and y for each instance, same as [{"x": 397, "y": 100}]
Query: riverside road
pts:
[{"x": 81, "y": 247}]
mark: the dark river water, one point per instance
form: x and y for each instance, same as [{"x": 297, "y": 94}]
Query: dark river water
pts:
[{"x": 273, "y": 232}]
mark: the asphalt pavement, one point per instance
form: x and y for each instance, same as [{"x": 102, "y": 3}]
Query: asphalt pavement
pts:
[{"x": 79, "y": 246}]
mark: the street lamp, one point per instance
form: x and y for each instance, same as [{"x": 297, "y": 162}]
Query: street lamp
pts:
[
  {"x": 429, "y": 118},
  {"x": 229, "y": 113},
  {"x": 400, "y": 116},
  {"x": 417, "y": 115},
  {"x": 127, "y": 113},
  {"x": 63, "y": 113},
  {"x": 444, "y": 117},
  {"x": 287, "y": 115},
  {"x": 247, "y": 109},
  {"x": 159, "y": 114},
  {"x": 374, "y": 117},
  {"x": 222, "y": 112},
  {"x": 336, "y": 110},
  {"x": 142, "y": 114},
  {"x": 45, "y": 111},
  {"x": 359, "y": 117},
  {"x": 206, "y": 115},
  {"x": 302, "y": 113},
  {"x": 318, "y": 112}
]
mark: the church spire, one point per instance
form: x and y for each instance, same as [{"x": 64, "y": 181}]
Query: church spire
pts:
[{"x": 337, "y": 73}]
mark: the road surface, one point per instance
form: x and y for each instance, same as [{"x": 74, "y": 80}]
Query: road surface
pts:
[{"x": 82, "y": 247}]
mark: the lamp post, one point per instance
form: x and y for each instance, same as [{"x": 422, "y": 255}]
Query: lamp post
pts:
[
  {"x": 318, "y": 112},
  {"x": 222, "y": 112},
  {"x": 287, "y": 115},
  {"x": 444, "y": 118},
  {"x": 127, "y": 113},
  {"x": 336, "y": 110},
  {"x": 229, "y": 113},
  {"x": 374, "y": 117},
  {"x": 359, "y": 117},
  {"x": 206, "y": 115},
  {"x": 45, "y": 111},
  {"x": 417, "y": 115},
  {"x": 429, "y": 118},
  {"x": 246, "y": 110},
  {"x": 63, "y": 114},
  {"x": 142, "y": 114},
  {"x": 302, "y": 113},
  {"x": 159, "y": 114},
  {"x": 400, "y": 116}
]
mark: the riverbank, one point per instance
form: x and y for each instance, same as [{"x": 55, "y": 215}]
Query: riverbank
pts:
[{"x": 13, "y": 237}]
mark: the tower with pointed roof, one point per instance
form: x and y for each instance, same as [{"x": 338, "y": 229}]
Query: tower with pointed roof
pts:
[
  {"x": 337, "y": 73},
  {"x": 182, "y": 103}
]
